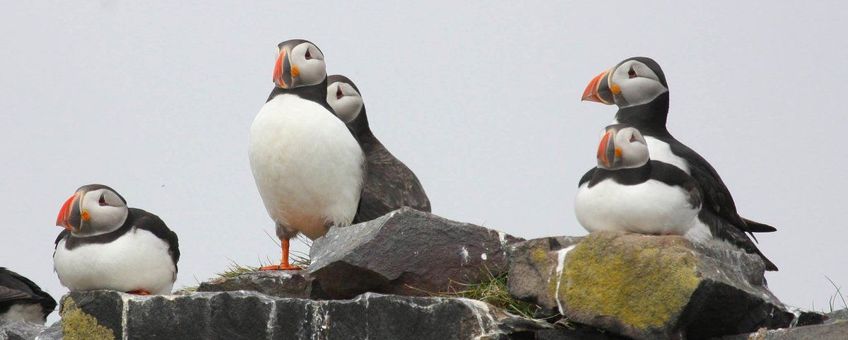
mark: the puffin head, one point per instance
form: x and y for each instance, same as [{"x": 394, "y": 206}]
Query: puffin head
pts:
[
  {"x": 622, "y": 147},
  {"x": 92, "y": 210},
  {"x": 343, "y": 96},
  {"x": 634, "y": 81},
  {"x": 299, "y": 63}
]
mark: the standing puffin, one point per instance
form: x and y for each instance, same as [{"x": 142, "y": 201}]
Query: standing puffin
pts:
[
  {"x": 638, "y": 87},
  {"x": 629, "y": 192},
  {"x": 22, "y": 299},
  {"x": 307, "y": 164},
  {"x": 106, "y": 245},
  {"x": 389, "y": 184}
]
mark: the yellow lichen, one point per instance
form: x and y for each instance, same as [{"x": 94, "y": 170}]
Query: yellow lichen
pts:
[
  {"x": 644, "y": 281},
  {"x": 79, "y": 325},
  {"x": 539, "y": 256}
]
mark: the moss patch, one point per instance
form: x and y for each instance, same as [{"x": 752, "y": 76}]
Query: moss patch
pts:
[
  {"x": 643, "y": 281},
  {"x": 77, "y": 324}
]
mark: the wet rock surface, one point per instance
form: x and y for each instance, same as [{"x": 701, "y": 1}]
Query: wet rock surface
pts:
[
  {"x": 251, "y": 315},
  {"x": 655, "y": 286},
  {"x": 406, "y": 252}
]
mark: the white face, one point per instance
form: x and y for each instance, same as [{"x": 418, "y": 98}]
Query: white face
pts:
[
  {"x": 345, "y": 101},
  {"x": 101, "y": 211},
  {"x": 634, "y": 83},
  {"x": 625, "y": 149},
  {"x": 307, "y": 63}
]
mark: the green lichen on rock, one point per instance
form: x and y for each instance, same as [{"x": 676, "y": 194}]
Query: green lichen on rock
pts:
[
  {"x": 643, "y": 281},
  {"x": 77, "y": 324}
]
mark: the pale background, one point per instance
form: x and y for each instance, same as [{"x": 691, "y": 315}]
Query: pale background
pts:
[{"x": 480, "y": 99}]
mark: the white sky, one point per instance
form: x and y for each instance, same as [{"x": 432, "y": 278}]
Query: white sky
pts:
[{"x": 480, "y": 100}]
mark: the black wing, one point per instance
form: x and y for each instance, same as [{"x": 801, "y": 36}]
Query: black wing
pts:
[
  {"x": 14, "y": 287},
  {"x": 723, "y": 230},
  {"x": 672, "y": 175},
  {"x": 154, "y": 224},
  {"x": 388, "y": 186},
  {"x": 716, "y": 195}
]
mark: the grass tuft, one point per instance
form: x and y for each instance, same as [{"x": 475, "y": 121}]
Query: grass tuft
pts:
[
  {"x": 493, "y": 290},
  {"x": 838, "y": 295}
]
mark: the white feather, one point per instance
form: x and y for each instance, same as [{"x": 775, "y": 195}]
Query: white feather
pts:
[
  {"x": 307, "y": 165},
  {"x": 661, "y": 151},
  {"x": 31, "y": 312},
  {"x": 136, "y": 260},
  {"x": 651, "y": 207}
]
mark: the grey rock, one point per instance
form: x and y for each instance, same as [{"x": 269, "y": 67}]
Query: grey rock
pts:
[
  {"x": 288, "y": 283},
  {"x": 832, "y": 331},
  {"x": 406, "y": 252},
  {"x": 19, "y": 330},
  {"x": 837, "y": 315},
  {"x": 649, "y": 286},
  {"x": 54, "y": 332},
  {"x": 252, "y": 315},
  {"x": 532, "y": 264}
]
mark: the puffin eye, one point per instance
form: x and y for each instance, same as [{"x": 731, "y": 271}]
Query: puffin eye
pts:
[
  {"x": 307, "y": 55},
  {"x": 102, "y": 200},
  {"x": 339, "y": 93},
  {"x": 631, "y": 73},
  {"x": 633, "y": 138}
]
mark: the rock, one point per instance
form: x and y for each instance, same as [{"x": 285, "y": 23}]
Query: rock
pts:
[
  {"x": 406, "y": 252},
  {"x": 19, "y": 330},
  {"x": 251, "y": 315},
  {"x": 54, "y": 332},
  {"x": 289, "y": 284},
  {"x": 832, "y": 331},
  {"x": 532, "y": 263},
  {"x": 653, "y": 286},
  {"x": 837, "y": 315}
]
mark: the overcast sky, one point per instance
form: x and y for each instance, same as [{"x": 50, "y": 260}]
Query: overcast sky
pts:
[{"x": 481, "y": 100}]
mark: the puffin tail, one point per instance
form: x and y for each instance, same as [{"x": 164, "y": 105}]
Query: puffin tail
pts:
[{"x": 757, "y": 227}]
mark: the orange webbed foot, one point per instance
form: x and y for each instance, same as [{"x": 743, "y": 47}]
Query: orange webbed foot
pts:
[{"x": 139, "y": 292}]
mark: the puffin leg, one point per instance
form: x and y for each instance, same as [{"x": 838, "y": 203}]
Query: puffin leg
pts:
[
  {"x": 284, "y": 263},
  {"x": 139, "y": 292}
]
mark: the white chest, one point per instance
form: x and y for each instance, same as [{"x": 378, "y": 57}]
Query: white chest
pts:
[
  {"x": 651, "y": 207},
  {"x": 661, "y": 151},
  {"x": 306, "y": 163},
  {"x": 136, "y": 260}
]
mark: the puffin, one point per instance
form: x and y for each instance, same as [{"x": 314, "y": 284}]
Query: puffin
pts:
[
  {"x": 389, "y": 184},
  {"x": 307, "y": 165},
  {"x": 638, "y": 87},
  {"x": 106, "y": 245},
  {"x": 628, "y": 191},
  {"x": 22, "y": 299}
]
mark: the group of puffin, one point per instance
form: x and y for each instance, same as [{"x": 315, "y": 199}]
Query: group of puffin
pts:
[{"x": 317, "y": 165}]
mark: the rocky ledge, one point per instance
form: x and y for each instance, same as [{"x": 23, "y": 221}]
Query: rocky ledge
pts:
[{"x": 397, "y": 276}]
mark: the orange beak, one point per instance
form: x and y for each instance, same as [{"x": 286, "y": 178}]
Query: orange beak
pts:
[
  {"x": 282, "y": 71},
  {"x": 603, "y": 155},
  {"x": 598, "y": 90},
  {"x": 65, "y": 212}
]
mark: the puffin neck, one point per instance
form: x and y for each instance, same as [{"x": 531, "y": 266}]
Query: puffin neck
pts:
[
  {"x": 649, "y": 118},
  {"x": 316, "y": 93},
  {"x": 359, "y": 126},
  {"x": 625, "y": 176}
]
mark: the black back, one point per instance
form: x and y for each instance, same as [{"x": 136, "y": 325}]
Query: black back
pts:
[
  {"x": 650, "y": 119},
  {"x": 136, "y": 218},
  {"x": 15, "y": 289}
]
